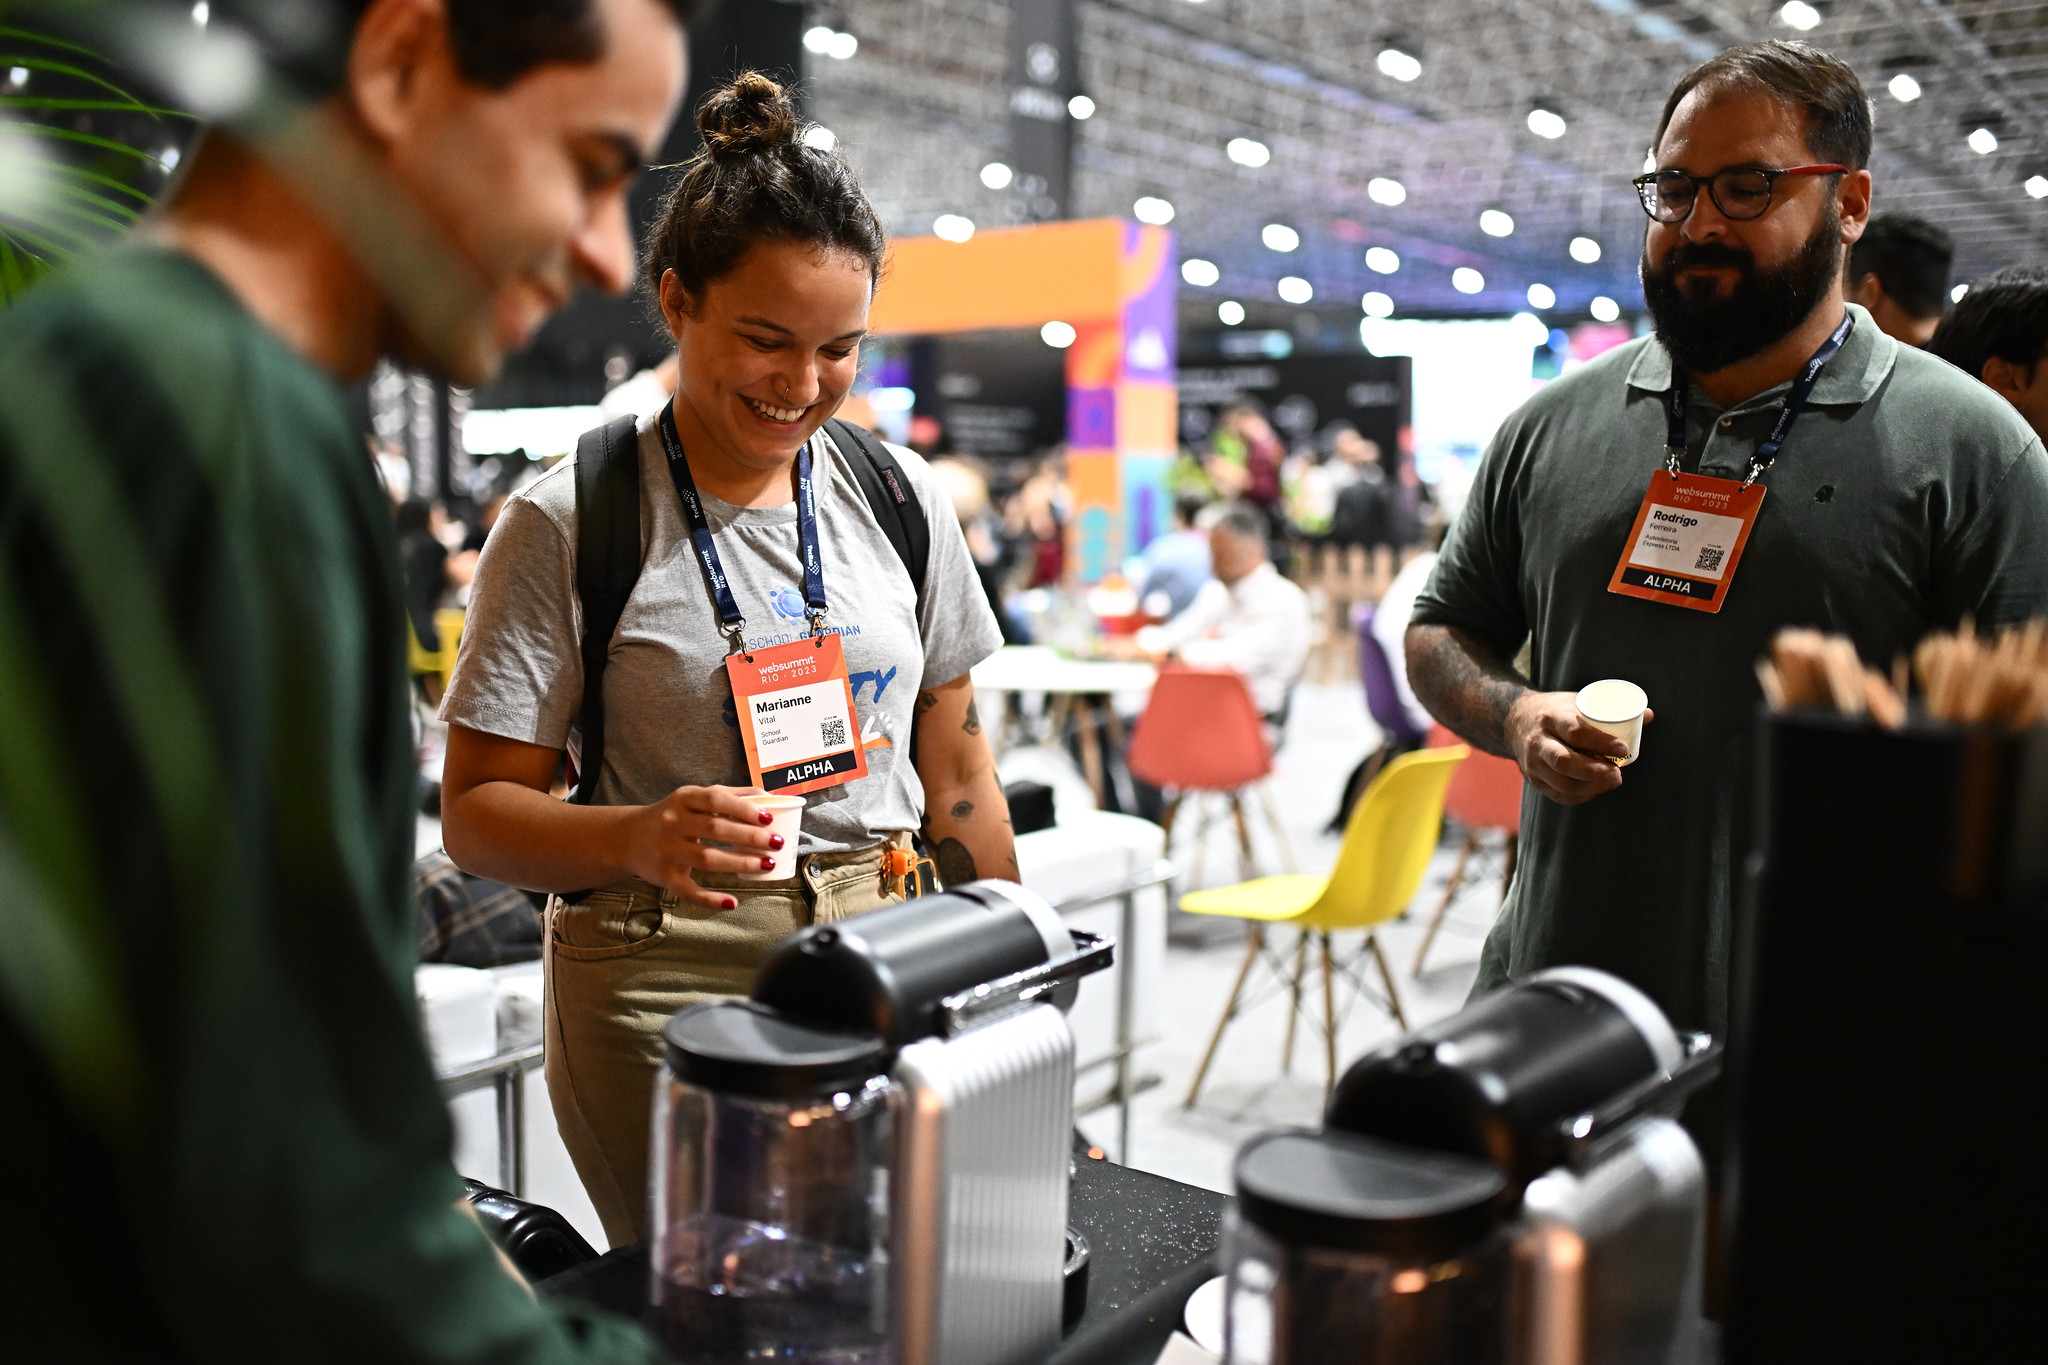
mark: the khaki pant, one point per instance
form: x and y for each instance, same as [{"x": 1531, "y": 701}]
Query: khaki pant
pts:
[{"x": 625, "y": 958}]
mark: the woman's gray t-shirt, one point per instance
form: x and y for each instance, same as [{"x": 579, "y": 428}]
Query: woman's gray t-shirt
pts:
[{"x": 669, "y": 718}]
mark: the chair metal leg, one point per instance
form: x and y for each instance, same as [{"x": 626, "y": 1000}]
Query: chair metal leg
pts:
[
  {"x": 1450, "y": 893},
  {"x": 1287, "y": 863},
  {"x": 1294, "y": 1013},
  {"x": 1247, "y": 860},
  {"x": 1372, "y": 941},
  {"x": 1171, "y": 808},
  {"x": 1251, "y": 954},
  {"x": 1330, "y": 1017},
  {"x": 1201, "y": 843}
]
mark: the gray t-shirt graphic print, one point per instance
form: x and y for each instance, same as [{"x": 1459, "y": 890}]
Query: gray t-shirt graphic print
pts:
[{"x": 668, "y": 701}]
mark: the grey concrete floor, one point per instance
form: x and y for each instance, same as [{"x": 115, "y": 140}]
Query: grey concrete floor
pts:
[{"x": 1249, "y": 1088}]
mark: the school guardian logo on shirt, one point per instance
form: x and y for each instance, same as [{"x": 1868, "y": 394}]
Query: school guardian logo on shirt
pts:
[{"x": 788, "y": 603}]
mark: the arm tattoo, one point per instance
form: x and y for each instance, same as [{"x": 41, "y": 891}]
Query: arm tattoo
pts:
[
  {"x": 972, "y": 725},
  {"x": 963, "y": 809},
  {"x": 1464, "y": 683},
  {"x": 925, "y": 702},
  {"x": 956, "y": 864}
]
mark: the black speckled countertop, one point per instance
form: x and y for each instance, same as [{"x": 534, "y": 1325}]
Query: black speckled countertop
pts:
[{"x": 1152, "y": 1242}]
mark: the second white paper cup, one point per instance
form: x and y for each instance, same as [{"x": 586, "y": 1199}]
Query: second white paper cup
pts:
[
  {"x": 788, "y": 813},
  {"x": 1616, "y": 706}
]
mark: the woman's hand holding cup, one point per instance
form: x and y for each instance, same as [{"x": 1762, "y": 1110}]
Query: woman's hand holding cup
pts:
[{"x": 679, "y": 835}]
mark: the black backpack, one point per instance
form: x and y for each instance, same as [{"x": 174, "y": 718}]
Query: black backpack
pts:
[{"x": 608, "y": 547}]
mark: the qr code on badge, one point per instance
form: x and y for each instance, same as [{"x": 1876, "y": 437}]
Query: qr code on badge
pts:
[
  {"x": 832, "y": 732},
  {"x": 1710, "y": 558}
]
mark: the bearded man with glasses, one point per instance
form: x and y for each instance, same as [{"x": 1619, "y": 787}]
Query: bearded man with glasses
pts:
[{"x": 1904, "y": 499}]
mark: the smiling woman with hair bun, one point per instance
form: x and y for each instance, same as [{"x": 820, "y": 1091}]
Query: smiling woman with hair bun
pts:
[{"x": 762, "y": 265}]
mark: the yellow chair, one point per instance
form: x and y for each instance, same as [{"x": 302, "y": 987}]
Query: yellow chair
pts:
[
  {"x": 438, "y": 664},
  {"x": 1388, "y": 841}
]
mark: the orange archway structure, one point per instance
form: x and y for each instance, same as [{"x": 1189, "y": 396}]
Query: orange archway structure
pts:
[{"x": 1114, "y": 283}]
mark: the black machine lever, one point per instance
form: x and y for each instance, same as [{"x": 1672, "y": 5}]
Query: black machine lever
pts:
[
  {"x": 1584, "y": 1133},
  {"x": 961, "y": 1011}
]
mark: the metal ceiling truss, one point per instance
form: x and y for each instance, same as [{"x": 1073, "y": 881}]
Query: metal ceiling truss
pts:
[{"x": 922, "y": 107}]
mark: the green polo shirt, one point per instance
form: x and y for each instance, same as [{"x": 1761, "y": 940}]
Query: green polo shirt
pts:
[
  {"x": 1908, "y": 497},
  {"x": 222, "y": 1137}
]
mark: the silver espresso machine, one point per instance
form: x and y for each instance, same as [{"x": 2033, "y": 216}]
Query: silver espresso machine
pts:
[
  {"x": 1510, "y": 1185},
  {"x": 867, "y": 1162}
]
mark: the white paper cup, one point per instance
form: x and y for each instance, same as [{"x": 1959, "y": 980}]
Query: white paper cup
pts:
[
  {"x": 1616, "y": 706},
  {"x": 788, "y": 813}
]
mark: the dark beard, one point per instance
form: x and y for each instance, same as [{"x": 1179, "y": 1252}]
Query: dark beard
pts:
[{"x": 1705, "y": 333}]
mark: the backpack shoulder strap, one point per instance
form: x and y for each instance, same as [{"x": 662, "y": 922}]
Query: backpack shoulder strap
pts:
[
  {"x": 607, "y": 566},
  {"x": 889, "y": 493}
]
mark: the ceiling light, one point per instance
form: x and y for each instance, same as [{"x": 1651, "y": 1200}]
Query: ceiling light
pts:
[
  {"x": 17, "y": 78},
  {"x": 168, "y": 158},
  {"x": 1542, "y": 296},
  {"x": 818, "y": 39},
  {"x": 201, "y": 12},
  {"x": 1585, "y": 250},
  {"x": 820, "y": 138},
  {"x": 1381, "y": 260},
  {"x": 1154, "y": 210},
  {"x": 1295, "y": 289},
  {"x": 997, "y": 176},
  {"x": 843, "y": 46},
  {"x": 1058, "y": 335},
  {"x": 1230, "y": 312},
  {"x": 1248, "y": 152},
  {"x": 1081, "y": 107},
  {"x": 1800, "y": 15},
  {"x": 1279, "y": 237},
  {"x": 1604, "y": 309},
  {"x": 1904, "y": 88},
  {"x": 1377, "y": 305},
  {"x": 952, "y": 227},
  {"x": 1466, "y": 280},
  {"x": 1983, "y": 142},
  {"x": 1199, "y": 273},
  {"x": 1955, "y": 295},
  {"x": 2037, "y": 185},
  {"x": 1381, "y": 190},
  {"x": 1398, "y": 64},
  {"x": 1494, "y": 223},
  {"x": 1546, "y": 123}
]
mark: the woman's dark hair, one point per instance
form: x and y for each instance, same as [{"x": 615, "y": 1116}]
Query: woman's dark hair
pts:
[
  {"x": 2003, "y": 315},
  {"x": 1820, "y": 85},
  {"x": 755, "y": 180}
]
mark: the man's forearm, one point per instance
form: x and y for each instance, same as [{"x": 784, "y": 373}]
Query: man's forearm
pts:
[{"x": 1465, "y": 684}]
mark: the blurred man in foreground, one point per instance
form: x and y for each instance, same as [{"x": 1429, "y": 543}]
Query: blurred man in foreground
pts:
[
  {"x": 228, "y": 1143},
  {"x": 1898, "y": 273},
  {"x": 1999, "y": 334}
]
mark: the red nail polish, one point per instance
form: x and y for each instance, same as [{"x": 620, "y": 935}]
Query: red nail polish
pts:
[
  {"x": 731, "y": 904},
  {"x": 775, "y": 841},
  {"x": 767, "y": 864},
  {"x": 766, "y": 818}
]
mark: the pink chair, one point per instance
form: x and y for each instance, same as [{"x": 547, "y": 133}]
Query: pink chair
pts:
[
  {"x": 1485, "y": 795},
  {"x": 1201, "y": 734}
]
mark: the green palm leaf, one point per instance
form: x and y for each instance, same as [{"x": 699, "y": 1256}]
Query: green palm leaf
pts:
[{"x": 63, "y": 189}]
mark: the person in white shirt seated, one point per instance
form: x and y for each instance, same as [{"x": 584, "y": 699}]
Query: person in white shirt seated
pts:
[{"x": 1247, "y": 617}]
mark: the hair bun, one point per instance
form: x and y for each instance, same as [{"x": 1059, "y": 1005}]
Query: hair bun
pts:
[{"x": 748, "y": 114}]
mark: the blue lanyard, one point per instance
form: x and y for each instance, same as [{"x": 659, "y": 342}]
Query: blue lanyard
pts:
[
  {"x": 730, "y": 621},
  {"x": 1795, "y": 403}
]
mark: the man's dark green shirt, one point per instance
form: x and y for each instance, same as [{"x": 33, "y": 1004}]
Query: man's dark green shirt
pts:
[
  {"x": 222, "y": 1136},
  {"x": 1907, "y": 498}
]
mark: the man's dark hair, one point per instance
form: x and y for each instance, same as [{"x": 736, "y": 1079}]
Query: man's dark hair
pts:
[
  {"x": 755, "y": 180},
  {"x": 1822, "y": 86},
  {"x": 1910, "y": 257},
  {"x": 2004, "y": 315},
  {"x": 495, "y": 41}
]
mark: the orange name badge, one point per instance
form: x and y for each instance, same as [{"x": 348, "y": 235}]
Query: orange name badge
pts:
[
  {"x": 795, "y": 705},
  {"x": 1687, "y": 540}
]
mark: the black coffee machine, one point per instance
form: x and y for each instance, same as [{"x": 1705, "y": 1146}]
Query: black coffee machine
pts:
[{"x": 1509, "y": 1185}]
